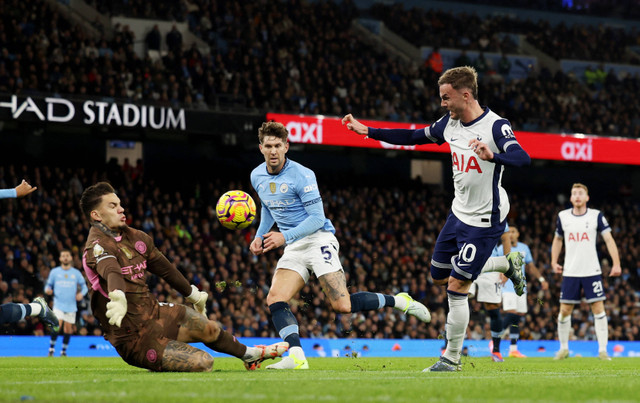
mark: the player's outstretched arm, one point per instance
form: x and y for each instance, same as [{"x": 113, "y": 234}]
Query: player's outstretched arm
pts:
[{"x": 354, "y": 125}]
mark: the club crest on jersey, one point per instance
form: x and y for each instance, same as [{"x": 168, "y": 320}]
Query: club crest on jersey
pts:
[
  {"x": 272, "y": 187},
  {"x": 141, "y": 247},
  {"x": 97, "y": 250},
  {"x": 283, "y": 188},
  {"x": 126, "y": 251}
]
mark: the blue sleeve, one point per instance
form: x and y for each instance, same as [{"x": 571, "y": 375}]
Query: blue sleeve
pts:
[
  {"x": 527, "y": 255},
  {"x": 430, "y": 134},
  {"x": 313, "y": 222},
  {"x": 8, "y": 194},
  {"x": 49, "y": 284},
  {"x": 266, "y": 222},
  {"x": 399, "y": 136},
  {"x": 511, "y": 153},
  {"x": 559, "y": 230},
  {"x": 83, "y": 284},
  {"x": 603, "y": 225}
]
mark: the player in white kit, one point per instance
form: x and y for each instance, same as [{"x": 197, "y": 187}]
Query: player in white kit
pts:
[
  {"x": 579, "y": 227},
  {"x": 481, "y": 143}
]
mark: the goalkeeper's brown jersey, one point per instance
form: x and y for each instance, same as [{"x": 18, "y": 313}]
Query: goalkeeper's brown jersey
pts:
[{"x": 125, "y": 263}]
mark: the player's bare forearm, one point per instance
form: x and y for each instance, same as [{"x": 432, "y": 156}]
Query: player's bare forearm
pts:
[{"x": 181, "y": 357}]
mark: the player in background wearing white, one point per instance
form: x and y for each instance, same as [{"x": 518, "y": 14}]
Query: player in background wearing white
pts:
[
  {"x": 67, "y": 286},
  {"x": 487, "y": 288},
  {"x": 290, "y": 198},
  {"x": 579, "y": 227},
  {"x": 482, "y": 143},
  {"x": 11, "y": 312},
  {"x": 513, "y": 305}
]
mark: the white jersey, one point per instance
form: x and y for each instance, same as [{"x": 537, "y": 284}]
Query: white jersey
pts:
[
  {"x": 480, "y": 200},
  {"x": 580, "y": 232}
]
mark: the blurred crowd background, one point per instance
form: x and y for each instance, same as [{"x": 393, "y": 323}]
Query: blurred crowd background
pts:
[{"x": 302, "y": 57}]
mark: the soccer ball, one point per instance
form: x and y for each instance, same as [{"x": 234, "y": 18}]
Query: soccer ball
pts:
[{"x": 236, "y": 209}]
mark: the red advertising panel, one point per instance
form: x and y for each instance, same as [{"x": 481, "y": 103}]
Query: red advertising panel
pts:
[{"x": 318, "y": 129}]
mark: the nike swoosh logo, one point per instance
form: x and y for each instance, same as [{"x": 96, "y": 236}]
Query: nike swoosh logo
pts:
[{"x": 452, "y": 139}]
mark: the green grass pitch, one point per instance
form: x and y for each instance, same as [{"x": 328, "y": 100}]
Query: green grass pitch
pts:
[{"x": 328, "y": 380}]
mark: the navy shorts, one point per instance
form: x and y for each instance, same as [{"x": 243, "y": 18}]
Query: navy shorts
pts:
[
  {"x": 462, "y": 250},
  {"x": 592, "y": 286}
]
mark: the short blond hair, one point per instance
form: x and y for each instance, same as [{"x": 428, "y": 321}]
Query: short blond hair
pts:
[
  {"x": 580, "y": 186},
  {"x": 461, "y": 77}
]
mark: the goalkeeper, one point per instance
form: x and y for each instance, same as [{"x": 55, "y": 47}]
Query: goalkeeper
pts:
[{"x": 118, "y": 260}]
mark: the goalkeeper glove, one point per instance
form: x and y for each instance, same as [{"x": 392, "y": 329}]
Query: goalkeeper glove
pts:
[
  {"x": 117, "y": 307},
  {"x": 198, "y": 299}
]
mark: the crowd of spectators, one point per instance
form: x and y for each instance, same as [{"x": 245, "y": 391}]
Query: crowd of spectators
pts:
[
  {"x": 287, "y": 57},
  {"x": 429, "y": 27},
  {"x": 387, "y": 233}
]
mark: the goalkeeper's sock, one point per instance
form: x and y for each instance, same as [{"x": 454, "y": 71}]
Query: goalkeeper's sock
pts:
[
  {"x": 564, "y": 325},
  {"x": 285, "y": 323},
  {"x": 226, "y": 343},
  {"x": 602, "y": 330},
  {"x": 11, "y": 312},
  {"x": 457, "y": 322},
  {"x": 368, "y": 301}
]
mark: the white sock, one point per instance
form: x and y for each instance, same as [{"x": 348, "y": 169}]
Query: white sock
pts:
[
  {"x": 564, "y": 324},
  {"x": 602, "y": 330},
  {"x": 35, "y": 309},
  {"x": 457, "y": 322},
  {"x": 401, "y": 303},
  {"x": 298, "y": 352},
  {"x": 496, "y": 263},
  {"x": 513, "y": 347},
  {"x": 252, "y": 353}
]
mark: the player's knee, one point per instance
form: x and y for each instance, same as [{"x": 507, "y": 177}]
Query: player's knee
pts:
[
  {"x": 341, "y": 306},
  {"x": 211, "y": 331},
  {"x": 443, "y": 281},
  {"x": 272, "y": 298}
]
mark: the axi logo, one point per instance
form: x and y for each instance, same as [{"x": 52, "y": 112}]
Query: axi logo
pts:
[
  {"x": 577, "y": 151},
  {"x": 303, "y": 132}
]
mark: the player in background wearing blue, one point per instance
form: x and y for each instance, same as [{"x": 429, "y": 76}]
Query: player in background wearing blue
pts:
[
  {"x": 11, "y": 312},
  {"x": 482, "y": 143},
  {"x": 67, "y": 286},
  {"x": 578, "y": 227},
  {"x": 290, "y": 198},
  {"x": 487, "y": 288},
  {"x": 513, "y": 305}
]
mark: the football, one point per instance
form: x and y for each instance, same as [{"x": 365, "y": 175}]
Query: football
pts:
[{"x": 236, "y": 209}]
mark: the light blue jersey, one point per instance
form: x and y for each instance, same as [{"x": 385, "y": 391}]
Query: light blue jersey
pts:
[
  {"x": 500, "y": 252},
  {"x": 291, "y": 200},
  {"x": 524, "y": 249},
  {"x": 64, "y": 284}
]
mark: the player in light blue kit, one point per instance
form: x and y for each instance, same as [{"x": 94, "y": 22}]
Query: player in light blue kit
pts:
[
  {"x": 67, "y": 286},
  {"x": 482, "y": 144},
  {"x": 11, "y": 312},
  {"x": 515, "y": 306},
  {"x": 291, "y": 199}
]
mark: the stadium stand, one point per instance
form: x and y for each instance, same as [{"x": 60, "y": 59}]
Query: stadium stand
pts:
[{"x": 308, "y": 62}]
